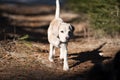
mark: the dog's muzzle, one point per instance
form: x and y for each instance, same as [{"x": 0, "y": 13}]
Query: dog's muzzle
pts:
[{"x": 61, "y": 42}]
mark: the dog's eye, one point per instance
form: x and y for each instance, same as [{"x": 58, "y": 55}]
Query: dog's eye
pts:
[{"x": 62, "y": 31}]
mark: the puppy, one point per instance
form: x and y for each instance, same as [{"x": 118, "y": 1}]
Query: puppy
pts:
[{"x": 59, "y": 34}]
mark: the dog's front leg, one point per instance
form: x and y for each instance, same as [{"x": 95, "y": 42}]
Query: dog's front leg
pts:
[
  {"x": 51, "y": 53},
  {"x": 63, "y": 54}
]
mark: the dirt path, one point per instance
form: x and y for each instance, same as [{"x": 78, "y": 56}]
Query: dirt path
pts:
[{"x": 29, "y": 61}]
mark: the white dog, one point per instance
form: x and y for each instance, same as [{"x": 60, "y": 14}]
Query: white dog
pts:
[{"x": 59, "y": 34}]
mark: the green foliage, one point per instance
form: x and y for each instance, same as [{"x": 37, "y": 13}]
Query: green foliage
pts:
[
  {"x": 103, "y": 14},
  {"x": 24, "y": 37}
]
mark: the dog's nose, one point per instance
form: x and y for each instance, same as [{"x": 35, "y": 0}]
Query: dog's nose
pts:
[{"x": 67, "y": 38}]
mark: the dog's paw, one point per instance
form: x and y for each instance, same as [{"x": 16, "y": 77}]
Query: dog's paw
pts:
[
  {"x": 51, "y": 60},
  {"x": 61, "y": 57},
  {"x": 66, "y": 68}
]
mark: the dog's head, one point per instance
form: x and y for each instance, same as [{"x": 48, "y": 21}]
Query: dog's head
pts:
[{"x": 65, "y": 32}]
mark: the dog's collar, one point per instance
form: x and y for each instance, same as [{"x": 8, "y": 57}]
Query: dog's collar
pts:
[{"x": 61, "y": 41}]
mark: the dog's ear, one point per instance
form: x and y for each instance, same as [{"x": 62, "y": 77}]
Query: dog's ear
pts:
[{"x": 72, "y": 28}]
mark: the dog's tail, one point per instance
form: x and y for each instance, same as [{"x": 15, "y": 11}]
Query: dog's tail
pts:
[{"x": 57, "y": 14}]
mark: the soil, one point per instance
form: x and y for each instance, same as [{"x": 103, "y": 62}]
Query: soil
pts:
[{"x": 28, "y": 59}]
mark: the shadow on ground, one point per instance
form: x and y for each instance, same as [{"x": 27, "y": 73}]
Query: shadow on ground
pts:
[
  {"x": 92, "y": 56},
  {"x": 9, "y": 31}
]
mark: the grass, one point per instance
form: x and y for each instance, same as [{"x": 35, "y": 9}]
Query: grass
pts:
[{"x": 104, "y": 15}]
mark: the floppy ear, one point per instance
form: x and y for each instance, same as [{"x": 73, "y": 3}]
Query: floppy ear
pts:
[{"x": 72, "y": 28}]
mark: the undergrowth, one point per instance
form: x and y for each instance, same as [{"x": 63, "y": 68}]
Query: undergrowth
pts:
[{"x": 104, "y": 15}]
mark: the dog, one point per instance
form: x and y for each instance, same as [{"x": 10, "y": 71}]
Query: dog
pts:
[{"x": 59, "y": 34}]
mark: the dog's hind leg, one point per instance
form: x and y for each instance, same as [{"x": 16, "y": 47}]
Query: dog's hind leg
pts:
[{"x": 51, "y": 53}]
